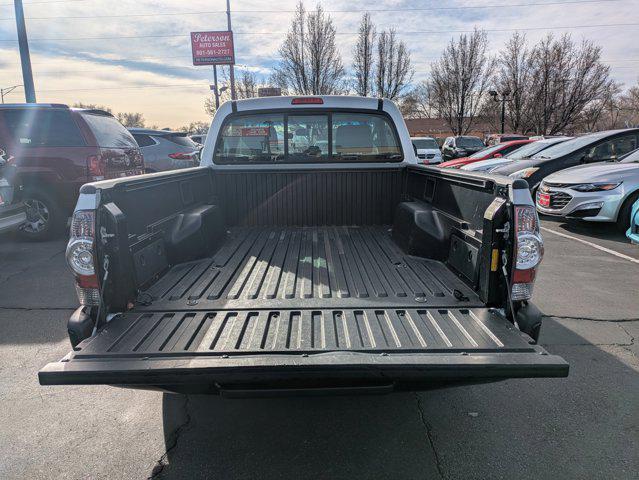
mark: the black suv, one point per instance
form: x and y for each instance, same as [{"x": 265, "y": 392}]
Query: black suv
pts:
[{"x": 458, "y": 147}]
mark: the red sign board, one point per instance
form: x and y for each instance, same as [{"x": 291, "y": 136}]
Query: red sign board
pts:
[{"x": 212, "y": 48}]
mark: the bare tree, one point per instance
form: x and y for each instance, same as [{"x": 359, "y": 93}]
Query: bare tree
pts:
[
  {"x": 131, "y": 119},
  {"x": 629, "y": 107},
  {"x": 246, "y": 86},
  {"x": 363, "y": 56},
  {"x": 194, "y": 128},
  {"x": 565, "y": 79},
  {"x": 311, "y": 63},
  {"x": 393, "y": 70},
  {"x": 513, "y": 76},
  {"x": 459, "y": 81},
  {"x": 603, "y": 112},
  {"x": 92, "y": 106}
]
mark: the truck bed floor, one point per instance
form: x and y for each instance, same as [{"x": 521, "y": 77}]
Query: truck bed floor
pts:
[{"x": 312, "y": 267}]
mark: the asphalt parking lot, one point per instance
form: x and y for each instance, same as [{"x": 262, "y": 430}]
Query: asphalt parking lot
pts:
[{"x": 584, "y": 426}]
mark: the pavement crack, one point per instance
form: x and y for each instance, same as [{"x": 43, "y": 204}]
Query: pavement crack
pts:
[
  {"x": 592, "y": 319},
  {"x": 173, "y": 441},
  {"x": 429, "y": 436},
  {"x": 29, "y": 267}
]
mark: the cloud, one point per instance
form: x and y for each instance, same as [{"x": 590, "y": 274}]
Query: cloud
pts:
[{"x": 153, "y": 74}]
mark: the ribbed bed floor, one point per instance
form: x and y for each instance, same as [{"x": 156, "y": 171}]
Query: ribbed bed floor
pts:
[{"x": 308, "y": 267}]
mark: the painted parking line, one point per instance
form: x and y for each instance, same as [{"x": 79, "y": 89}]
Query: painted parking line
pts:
[{"x": 594, "y": 245}]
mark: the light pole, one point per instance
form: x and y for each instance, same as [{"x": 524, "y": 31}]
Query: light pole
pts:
[
  {"x": 25, "y": 58},
  {"x": 504, "y": 98},
  {"x": 7, "y": 90},
  {"x": 232, "y": 73}
]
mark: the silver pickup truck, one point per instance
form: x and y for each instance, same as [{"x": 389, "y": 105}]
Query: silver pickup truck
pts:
[{"x": 308, "y": 253}]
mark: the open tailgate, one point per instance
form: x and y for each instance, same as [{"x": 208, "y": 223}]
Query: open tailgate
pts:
[{"x": 220, "y": 351}]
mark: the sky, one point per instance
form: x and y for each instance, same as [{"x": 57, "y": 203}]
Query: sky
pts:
[{"x": 135, "y": 56}]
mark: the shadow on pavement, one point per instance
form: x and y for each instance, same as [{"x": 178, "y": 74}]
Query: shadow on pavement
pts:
[
  {"x": 595, "y": 230},
  {"x": 528, "y": 428}
]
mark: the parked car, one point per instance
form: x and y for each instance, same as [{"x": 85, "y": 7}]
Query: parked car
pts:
[
  {"x": 595, "y": 147},
  {"x": 496, "y": 138},
  {"x": 601, "y": 192},
  {"x": 339, "y": 267},
  {"x": 12, "y": 209},
  {"x": 57, "y": 149},
  {"x": 198, "y": 138},
  {"x": 166, "y": 150},
  {"x": 427, "y": 150},
  {"x": 521, "y": 153},
  {"x": 457, "y": 147},
  {"x": 633, "y": 231},
  {"x": 496, "y": 151}
]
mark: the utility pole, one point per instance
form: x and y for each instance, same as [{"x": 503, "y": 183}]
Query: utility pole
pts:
[
  {"x": 232, "y": 73},
  {"x": 217, "y": 93},
  {"x": 27, "y": 74},
  {"x": 7, "y": 90},
  {"x": 503, "y": 100}
]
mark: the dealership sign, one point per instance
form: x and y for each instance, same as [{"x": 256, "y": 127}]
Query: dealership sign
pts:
[{"x": 212, "y": 48}]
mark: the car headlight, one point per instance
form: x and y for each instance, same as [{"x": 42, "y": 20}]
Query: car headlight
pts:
[
  {"x": 525, "y": 173},
  {"x": 595, "y": 187}
]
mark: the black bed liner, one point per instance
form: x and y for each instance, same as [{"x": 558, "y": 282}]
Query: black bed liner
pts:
[
  {"x": 308, "y": 267},
  {"x": 309, "y": 307}
]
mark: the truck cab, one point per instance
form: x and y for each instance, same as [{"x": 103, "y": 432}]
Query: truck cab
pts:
[{"x": 333, "y": 264}]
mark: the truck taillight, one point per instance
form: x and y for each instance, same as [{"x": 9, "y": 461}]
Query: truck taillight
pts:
[
  {"x": 81, "y": 257},
  {"x": 529, "y": 250},
  {"x": 97, "y": 168}
]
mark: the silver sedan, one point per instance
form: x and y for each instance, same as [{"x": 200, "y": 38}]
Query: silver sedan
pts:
[{"x": 599, "y": 192}]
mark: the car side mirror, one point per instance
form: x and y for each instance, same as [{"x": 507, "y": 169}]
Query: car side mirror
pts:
[{"x": 497, "y": 155}]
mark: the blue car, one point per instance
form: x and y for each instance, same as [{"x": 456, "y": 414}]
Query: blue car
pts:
[{"x": 633, "y": 231}]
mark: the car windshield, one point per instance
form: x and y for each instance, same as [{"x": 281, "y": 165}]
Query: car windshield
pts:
[
  {"x": 487, "y": 151},
  {"x": 632, "y": 157},
  {"x": 469, "y": 142},
  {"x": 528, "y": 150},
  {"x": 307, "y": 138},
  {"x": 426, "y": 143},
  {"x": 567, "y": 147}
]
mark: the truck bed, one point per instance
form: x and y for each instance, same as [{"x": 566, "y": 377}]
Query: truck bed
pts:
[
  {"x": 308, "y": 268},
  {"x": 288, "y": 303}
]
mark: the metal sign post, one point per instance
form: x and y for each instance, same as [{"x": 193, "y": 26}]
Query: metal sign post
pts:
[{"x": 231, "y": 66}]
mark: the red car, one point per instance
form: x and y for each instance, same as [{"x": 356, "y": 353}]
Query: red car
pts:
[
  {"x": 57, "y": 149},
  {"x": 496, "y": 151}
]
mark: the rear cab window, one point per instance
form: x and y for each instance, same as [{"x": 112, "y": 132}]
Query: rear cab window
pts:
[
  {"x": 307, "y": 137},
  {"x": 108, "y": 132},
  {"x": 30, "y": 127}
]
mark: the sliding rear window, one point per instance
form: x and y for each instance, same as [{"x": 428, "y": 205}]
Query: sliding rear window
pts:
[{"x": 307, "y": 137}]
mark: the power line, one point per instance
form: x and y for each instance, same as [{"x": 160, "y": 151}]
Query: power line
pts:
[
  {"x": 359, "y": 10},
  {"x": 414, "y": 32},
  {"x": 181, "y": 85},
  {"x": 39, "y": 3}
]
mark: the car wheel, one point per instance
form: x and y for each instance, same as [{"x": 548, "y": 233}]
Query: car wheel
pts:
[
  {"x": 623, "y": 219},
  {"x": 43, "y": 217}
]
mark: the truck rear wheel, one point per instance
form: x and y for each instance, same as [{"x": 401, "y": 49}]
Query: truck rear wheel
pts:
[{"x": 44, "y": 218}]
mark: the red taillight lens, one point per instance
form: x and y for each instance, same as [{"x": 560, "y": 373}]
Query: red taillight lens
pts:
[
  {"x": 80, "y": 256},
  {"x": 529, "y": 250},
  {"x": 181, "y": 156},
  {"x": 307, "y": 101},
  {"x": 97, "y": 167}
]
